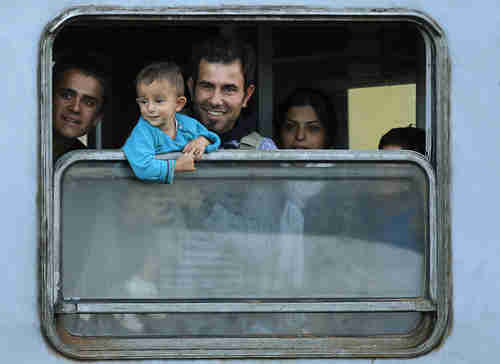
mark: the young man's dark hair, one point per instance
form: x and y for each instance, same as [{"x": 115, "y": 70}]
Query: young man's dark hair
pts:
[
  {"x": 221, "y": 84},
  {"x": 408, "y": 138},
  {"x": 224, "y": 50},
  {"x": 90, "y": 64}
]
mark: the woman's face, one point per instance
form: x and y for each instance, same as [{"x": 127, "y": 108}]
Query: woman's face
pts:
[{"x": 302, "y": 129}]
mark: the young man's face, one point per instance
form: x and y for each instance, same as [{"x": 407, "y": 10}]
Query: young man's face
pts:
[
  {"x": 158, "y": 102},
  {"x": 77, "y": 103},
  {"x": 219, "y": 94}
]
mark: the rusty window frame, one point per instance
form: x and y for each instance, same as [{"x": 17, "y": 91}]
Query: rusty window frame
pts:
[{"x": 437, "y": 122}]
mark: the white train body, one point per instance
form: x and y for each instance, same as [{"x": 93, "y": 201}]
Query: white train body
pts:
[{"x": 465, "y": 88}]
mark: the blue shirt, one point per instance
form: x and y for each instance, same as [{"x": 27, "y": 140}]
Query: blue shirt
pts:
[{"x": 146, "y": 141}]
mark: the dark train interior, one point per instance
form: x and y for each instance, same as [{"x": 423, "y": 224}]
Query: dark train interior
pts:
[{"x": 331, "y": 56}]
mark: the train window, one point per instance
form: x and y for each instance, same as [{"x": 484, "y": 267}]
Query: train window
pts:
[{"x": 322, "y": 253}]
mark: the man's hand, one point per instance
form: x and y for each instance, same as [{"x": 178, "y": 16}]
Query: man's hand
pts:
[
  {"x": 197, "y": 146},
  {"x": 185, "y": 163}
]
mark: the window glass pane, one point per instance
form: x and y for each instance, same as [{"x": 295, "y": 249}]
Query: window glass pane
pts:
[{"x": 245, "y": 230}]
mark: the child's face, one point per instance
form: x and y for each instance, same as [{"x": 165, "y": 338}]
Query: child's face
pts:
[{"x": 159, "y": 102}]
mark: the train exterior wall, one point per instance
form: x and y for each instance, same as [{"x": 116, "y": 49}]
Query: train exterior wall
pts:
[{"x": 473, "y": 39}]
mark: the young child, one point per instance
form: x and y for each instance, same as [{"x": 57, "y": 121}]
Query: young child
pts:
[
  {"x": 409, "y": 138},
  {"x": 161, "y": 129}
]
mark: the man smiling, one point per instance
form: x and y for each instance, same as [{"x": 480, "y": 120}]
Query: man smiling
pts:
[
  {"x": 221, "y": 86},
  {"x": 78, "y": 99}
]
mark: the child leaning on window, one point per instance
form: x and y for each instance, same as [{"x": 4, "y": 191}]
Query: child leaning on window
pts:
[{"x": 161, "y": 129}]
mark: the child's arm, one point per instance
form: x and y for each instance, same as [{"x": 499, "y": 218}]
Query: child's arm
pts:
[
  {"x": 140, "y": 152},
  {"x": 185, "y": 163},
  {"x": 206, "y": 141},
  {"x": 211, "y": 137},
  {"x": 197, "y": 147}
]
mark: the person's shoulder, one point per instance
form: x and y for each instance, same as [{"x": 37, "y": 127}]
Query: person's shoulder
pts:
[
  {"x": 256, "y": 141},
  {"x": 141, "y": 131},
  {"x": 144, "y": 127},
  {"x": 142, "y": 123},
  {"x": 62, "y": 145},
  {"x": 267, "y": 144},
  {"x": 186, "y": 120}
]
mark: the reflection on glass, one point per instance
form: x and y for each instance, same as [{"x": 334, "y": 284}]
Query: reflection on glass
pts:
[{"x": 245, "y": 231}]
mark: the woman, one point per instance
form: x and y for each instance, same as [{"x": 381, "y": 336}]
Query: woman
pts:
[{"x": 306, "y": 120}]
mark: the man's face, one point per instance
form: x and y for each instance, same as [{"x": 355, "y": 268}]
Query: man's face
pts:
[
  {"x": 219, "y": 94},
  {"x": 77, "y": 103}
]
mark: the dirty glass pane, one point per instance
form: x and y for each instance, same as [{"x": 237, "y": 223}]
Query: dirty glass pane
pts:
[
  {"x": 245, "y": 230},
  {"x": 242, "y": 324}
]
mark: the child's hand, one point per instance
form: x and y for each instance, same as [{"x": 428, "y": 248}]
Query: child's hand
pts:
[
  {"x": 198, "y": 146},
  {"x": 185, "y": 163}
]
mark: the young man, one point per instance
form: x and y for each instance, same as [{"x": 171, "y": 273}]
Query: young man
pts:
[
  {"x": 78, "y": 100},
  {"x": 221, "y": 86}
]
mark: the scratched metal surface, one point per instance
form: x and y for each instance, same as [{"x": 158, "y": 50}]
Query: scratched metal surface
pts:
[{"x": 471, "y": 31}]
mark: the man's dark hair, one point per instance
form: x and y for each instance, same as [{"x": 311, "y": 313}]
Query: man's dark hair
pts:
[
  {"x": 224, "y": 50},
  {"x": 90, "y": 64},
  {"x": 408, "y": 138},
  {"x": 168, "y": 71}
]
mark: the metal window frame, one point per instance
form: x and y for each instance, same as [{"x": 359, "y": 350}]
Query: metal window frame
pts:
[
  {"x": 67, "y": 305},
  {"x": 423, "y": 340}
]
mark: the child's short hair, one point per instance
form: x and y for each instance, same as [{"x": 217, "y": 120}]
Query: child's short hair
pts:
[
  {"x": 409, "y": 138},
  {"x": 168, "y": 71}
]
